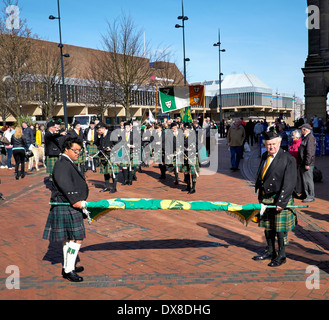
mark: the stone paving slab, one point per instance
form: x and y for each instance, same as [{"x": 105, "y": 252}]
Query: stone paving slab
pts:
[{"x": 162, "y": 255}]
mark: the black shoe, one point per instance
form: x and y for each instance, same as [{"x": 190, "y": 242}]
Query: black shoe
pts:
[
  {"x": 162, "y": 177},
  {"x": 76, "y": 270},
  {"x": 277, "y": 262},
  {"x": 72, "y": 276},
  {"x": 113, "y": 190},
  {"x": 186, "y": 189},
  {"x": 265, "y": 256},
  {"x": 191, "y": 191},
  {"x": 16, "y": 176},
  {"x": 176, "y": 182},
  {"x": 105, "y": 189},
  {"x": 22, "y": 175}
]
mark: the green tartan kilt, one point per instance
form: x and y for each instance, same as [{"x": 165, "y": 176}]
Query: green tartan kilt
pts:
[
  {"x": 82, "y": 157},
  {"x": 50, "y": 162},
  {"x": 158, "y": 157},
  {"x": 92, "y": 150},
  {"x": 283, "y": 221},
  {"x": 64, "y": 223},
  {"x": 193, "y": 167},
  {"x": 108, "y": 168},
  {"x": 135, "y": 161}
]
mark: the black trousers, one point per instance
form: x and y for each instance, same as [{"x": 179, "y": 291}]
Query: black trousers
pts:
[{"x": 19, "y": 156}]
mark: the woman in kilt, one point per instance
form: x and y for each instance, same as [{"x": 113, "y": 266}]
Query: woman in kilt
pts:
[
  {"x": 276, "y": 180},
  {"x": 65, "y": 222},
  {"x": 191, "y": 166},
  {"x": 77, "y": 133}
]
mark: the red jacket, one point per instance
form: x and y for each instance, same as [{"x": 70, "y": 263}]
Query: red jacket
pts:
[{"x": 293, "y": 149}]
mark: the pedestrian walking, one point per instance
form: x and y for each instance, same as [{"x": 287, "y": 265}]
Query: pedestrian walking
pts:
[
  {"x": 306, "y": 161},
  {"x": 235, "y": 140}
]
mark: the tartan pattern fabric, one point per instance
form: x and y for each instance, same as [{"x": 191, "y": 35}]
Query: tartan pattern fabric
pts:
[
  {"x": 82, "y": 157},
  {"x": 184, "y": 168},
  {"x": 283, "y": 221},
  {"x": 108, "y": 168},
  {"x": 50, "y": 162},
  {"x": 92, "y": 149},
  {"x": 135, "y": 161},
  {"x": 64, "y": 223}
]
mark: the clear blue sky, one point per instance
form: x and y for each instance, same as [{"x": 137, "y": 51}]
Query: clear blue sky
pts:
[{"x": 264, "y": 38}]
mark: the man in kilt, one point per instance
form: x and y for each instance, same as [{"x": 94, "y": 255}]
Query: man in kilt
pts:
[
  {"x": 131, "y": 157},
  {"x": 52, "y": 145},
  {"x": 174, "y": 146},
  {"x": 191, "y": 166},
  {"x": 76, "y": 132},
  {"x": 158, "y": 140},
  {"x": 90, "y": 138},
  {"x": 276, "y": 180},
  {"x": 107, "y": 164},
  {"x": 65, "y": 222}
]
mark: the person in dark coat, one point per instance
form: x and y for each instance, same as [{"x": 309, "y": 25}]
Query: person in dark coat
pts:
[
  {"x": 306, "y": 162},
  {"x": 108, "y": 166},
  {"x": 20, "y": 146},
  {"x": 275, "y": 183},
  {"x": 77, "y": 132},
  {"x": 28, "y": 134},
  {"x": 191, "y": 166},
  {"x": 65, "y": 222},
  {"x": 53, "y": 145},
  {"x": 90, "y": 137}
]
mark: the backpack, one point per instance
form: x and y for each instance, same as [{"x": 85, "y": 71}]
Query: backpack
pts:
[{"x": 317, "y": 175}]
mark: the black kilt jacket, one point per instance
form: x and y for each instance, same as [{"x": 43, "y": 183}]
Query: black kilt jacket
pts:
[
  {"x": 52, "y": 144},
  {"x": 69, "y": 185},
  {"x": 279, "y": 180}
]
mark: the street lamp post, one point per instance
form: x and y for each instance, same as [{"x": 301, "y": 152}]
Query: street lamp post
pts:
[
  {"x": 51, "y": 17},
  {"x": 183, "y": 18},
  {"x": 218, "y": 44}
]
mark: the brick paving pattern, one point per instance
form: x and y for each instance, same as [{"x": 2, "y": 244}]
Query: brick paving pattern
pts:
[{"x": 163, "y": 255}]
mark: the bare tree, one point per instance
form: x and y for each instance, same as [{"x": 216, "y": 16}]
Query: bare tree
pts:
[
  {"x": 99, "y": 83},
  {"x": 15, "y": 57},
  {"x": 128, "y": 61},
  {"x": 46, "y": 78}
]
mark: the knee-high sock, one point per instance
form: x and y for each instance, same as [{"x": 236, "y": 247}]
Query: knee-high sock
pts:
[
  {"x": 270, "y": 239},
  {"x": 115, "y": 180},
  {"x": 282, "y": 250},
  {"x": 65, "y": 247},
  {"x": 107, "y": 180},
  {"x": 71, "y": 256}
]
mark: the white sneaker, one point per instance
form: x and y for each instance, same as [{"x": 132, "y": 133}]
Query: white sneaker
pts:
[
  {"x": 11, "y": 168},
  {"x": 2, "y": 167},
  {"x": 6, "y": 167}
]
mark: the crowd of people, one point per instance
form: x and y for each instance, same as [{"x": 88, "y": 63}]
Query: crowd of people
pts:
[{"x": 175, "y": 147}]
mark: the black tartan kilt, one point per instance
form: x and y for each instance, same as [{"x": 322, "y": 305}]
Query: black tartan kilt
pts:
[
  {"x": 64, "y": 223},
  {"x": 50, "y": 162}
]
